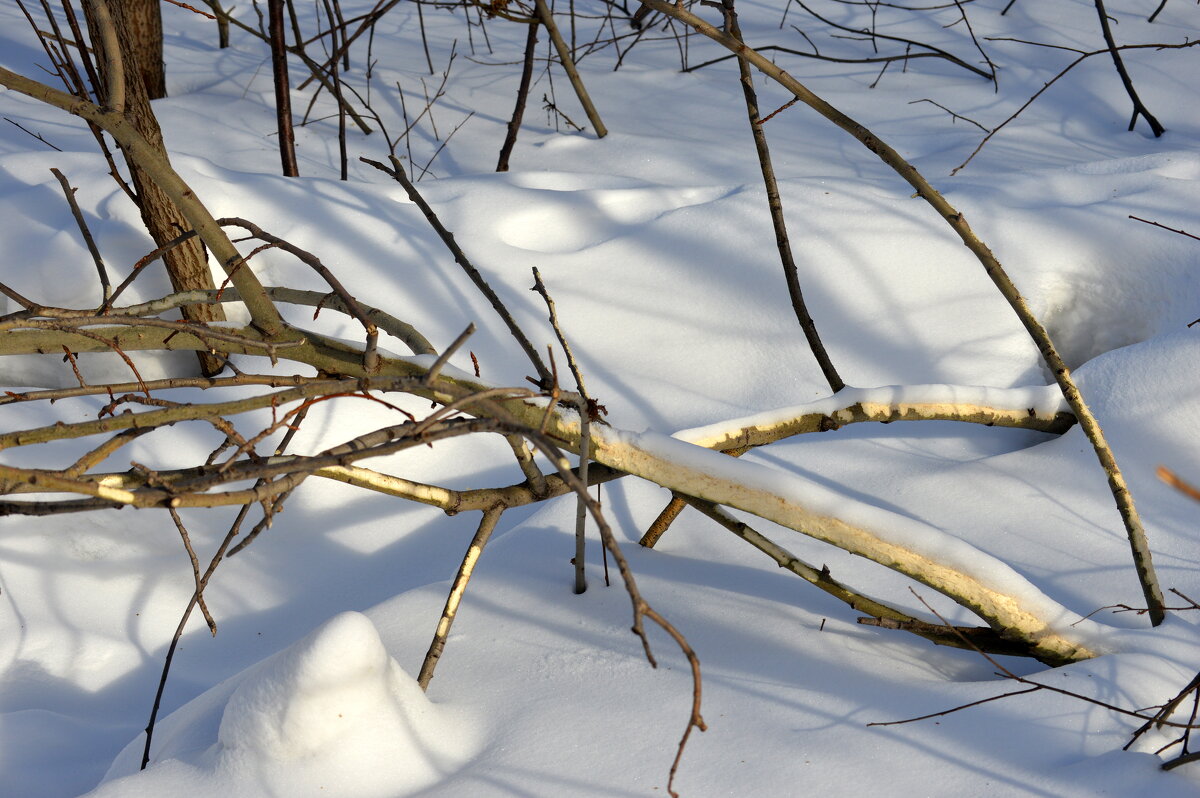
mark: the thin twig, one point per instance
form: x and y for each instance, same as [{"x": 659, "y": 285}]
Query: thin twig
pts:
[
  {"x": 455, "y": 345},
  {"x": 514, "y": 124},
  {"x": 775, "y": 204},
  {"x": 1033, "y": 685},
  {"x": 69, "y": 192},
  {"x": 953, "y": 115},
  {"x": 585, "y": 407},
  {"x": 1164, "y": 227},
  {"x": 396, "y": 171},
  {"x": 191, "y": 552},
  {"x": 1139, "y": 108},
  {"x": 187, "y": 613},
  {"x": 1083, "y": 56}
]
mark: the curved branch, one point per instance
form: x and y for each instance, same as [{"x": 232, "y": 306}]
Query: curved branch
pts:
[
  {"x": 977, "y": 581},
  {"x": 1033, "y": 408}
]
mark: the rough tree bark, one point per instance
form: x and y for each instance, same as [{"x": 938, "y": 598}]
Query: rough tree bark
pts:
[
  {"x": 142, "y": 20},
  {"x": 139, "y": 34}
]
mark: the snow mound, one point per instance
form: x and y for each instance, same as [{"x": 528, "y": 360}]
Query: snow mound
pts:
[{"x": 333, "y": 714}]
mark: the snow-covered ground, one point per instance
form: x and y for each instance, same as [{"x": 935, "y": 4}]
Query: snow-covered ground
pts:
[{"x": 657, "y": 247}]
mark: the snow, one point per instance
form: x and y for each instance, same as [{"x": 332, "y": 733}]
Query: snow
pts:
[
  {"x": 657, "y": 248},
  {"x": 332, "y": 712}
]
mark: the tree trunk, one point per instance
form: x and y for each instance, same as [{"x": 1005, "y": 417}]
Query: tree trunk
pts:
[
  {"x": 142, "y": 22},
  {"x": 187, "y": 263}
]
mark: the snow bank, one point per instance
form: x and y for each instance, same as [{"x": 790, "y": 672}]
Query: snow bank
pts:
[{"x": 333, "y": 714}]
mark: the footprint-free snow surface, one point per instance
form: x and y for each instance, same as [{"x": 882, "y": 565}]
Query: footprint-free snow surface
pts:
[{"x": 656, "y": 244}]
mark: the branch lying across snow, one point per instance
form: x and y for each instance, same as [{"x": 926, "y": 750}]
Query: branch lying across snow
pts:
[
  {"x": 983, "y": 584},
  {"x": 1003, "y": 598},
  {"x": 1040, "y": 408}
]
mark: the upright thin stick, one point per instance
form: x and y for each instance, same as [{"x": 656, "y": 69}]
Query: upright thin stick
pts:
[
  {"x": 69, "y": 192},
  {"x": 1139, "y": 109},
  {"x": 514, "y": 124},
  {"x": 283, "y": 97},
  {"x": 584, "y": 406},
  {"x": 564, "y": 55},
  {"x": 581, "y": 506},
  {"x": 336, "y": 76},
  {"x": 775, "y": 203},
  {"x": 487, "y": 525},
  {"x": 197, "y": 597}
]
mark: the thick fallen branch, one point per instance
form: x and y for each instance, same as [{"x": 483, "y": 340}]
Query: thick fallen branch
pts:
[{"x": 1005, "y": 600}]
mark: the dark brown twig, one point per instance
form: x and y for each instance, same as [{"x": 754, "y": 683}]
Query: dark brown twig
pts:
[
  {"x": 191, "y": 552},
  {"x": 514, "y": 124},
  {"x": 37, "y": 136},
  {"x": 1034, "y": 687},
  {"x": 1083, "y": 56},
  {"x": 971, "y": 30},
  {"x": 882, "y": 59},
  {"x": 69, "y": 192},
  {"x": 1164, "y": 227},
  {"x": 932, "y": 51},
  {"x": 396, "y": 171},
  {"x": 283, "y": 97},
  {"x": 187, "y": 613},
  {"x": 953, "y": 116},
  {"x": 335, "y": 75},
  {"x": 775, "y": 205},
  {"x": 1139, "y": 108}
]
